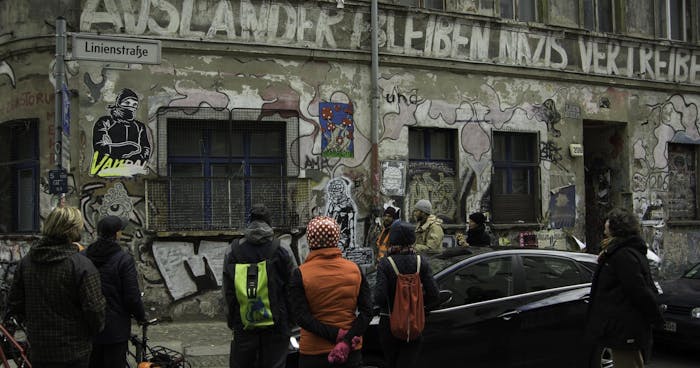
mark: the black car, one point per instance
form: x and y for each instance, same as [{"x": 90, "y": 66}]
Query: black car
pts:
[
  {"x": 680, "y": 302},
  {"x": 506, "y": 307}
]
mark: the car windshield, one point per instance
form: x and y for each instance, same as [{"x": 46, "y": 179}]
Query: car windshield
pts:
[{"x": 693, "y": 273}]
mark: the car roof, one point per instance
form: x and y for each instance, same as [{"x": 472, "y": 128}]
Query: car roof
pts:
[{"x": 451, "y": 257}]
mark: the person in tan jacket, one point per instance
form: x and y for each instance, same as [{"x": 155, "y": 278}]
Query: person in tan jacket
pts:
[
  {"x": 330, "y": 300},
  {"x": 429, "y": 231}
]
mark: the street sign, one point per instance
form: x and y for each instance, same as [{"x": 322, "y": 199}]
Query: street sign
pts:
[
  {"x": 115, "y": 49},
  {"x": 58, "y": 181}
]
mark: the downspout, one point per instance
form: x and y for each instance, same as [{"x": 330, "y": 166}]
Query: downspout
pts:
[{"x": 374, "y": 120}]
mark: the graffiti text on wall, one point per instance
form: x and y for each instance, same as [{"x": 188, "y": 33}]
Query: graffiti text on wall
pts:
[
  {"x": 434, "y": 181},
  {"x": 424, "y": 34},
  {"x": 120, "y": 142}
]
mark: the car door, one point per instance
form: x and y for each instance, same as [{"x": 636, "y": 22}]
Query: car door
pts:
[
  {"x": 553, "y": 295},
  {"x": 474, "y": 328}
]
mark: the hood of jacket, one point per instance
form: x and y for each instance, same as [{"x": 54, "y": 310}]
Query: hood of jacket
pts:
[
  {"x": 259, "y": 232},
  {"x": 634, "y": 242},
  {"x": 432, "y": 219},
  {"x": 102, "y": 250},
  {"x": 52, "y": 250}
]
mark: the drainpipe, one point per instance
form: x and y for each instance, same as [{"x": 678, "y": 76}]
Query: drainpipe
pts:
[
  {"x": 59, "y": 77},
  {"x": 374, "y": 120}
]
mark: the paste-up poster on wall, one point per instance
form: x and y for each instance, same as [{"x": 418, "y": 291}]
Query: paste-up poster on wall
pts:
[
  {"x": 120, "y": 142},
  {"x": 337, "y": 128},
  {"x": 393, "y": 178},
  {"x": 562, "y": 207}
]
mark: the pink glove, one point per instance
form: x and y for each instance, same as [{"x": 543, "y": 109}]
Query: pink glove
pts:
[
  {"x": 339, "y": 354},
  {"x": 356, "y": 342},
  {"x": 341, "y": 335}
]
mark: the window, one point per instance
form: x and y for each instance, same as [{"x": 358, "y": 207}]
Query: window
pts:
[
  {"x": 19, "y": 173},
  {"x": 522, "y": 10},
  {"x": 544, "y": 273},
  {"x": 431, "y": 170},
  {"x": 682, "y": 203},
  {"x": 478, "y": 282},
  {"x": 674, "y": 19},
  {"x": 483, "y": 7},
  {"x": 427, "y": 4},
  {"x": 219, "y": 163},
  {"x": 599, "y": 15},
  {"x": 515, "y": 180}
]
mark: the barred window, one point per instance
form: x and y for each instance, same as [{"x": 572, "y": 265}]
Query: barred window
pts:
[
  {"x": 515, "y": 181},
  {"x": 19, "y": 176},
  {"x": 216, "y": 164}
]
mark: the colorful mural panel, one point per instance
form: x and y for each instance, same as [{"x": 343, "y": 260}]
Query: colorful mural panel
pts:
[{"x": 337, "y": 127}]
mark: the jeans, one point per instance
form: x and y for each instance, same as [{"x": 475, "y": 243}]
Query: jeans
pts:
[
  {"x": 108, "y": 355},
  {"x": 398, "y": 353},
  {"x": 258, "y": 349},
  {"x": 321, "y": 361}
]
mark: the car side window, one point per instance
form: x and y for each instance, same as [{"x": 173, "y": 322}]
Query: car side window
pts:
[
  {"x": 477, "y": 282},
  {"x": 542, "y": 273}
]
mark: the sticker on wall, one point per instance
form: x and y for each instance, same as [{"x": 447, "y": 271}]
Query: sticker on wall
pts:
[
  {"x": 337, "y": 129},
  {"x": 120, "y": 142},
  {"x": 393, "y": 178},
  {"x": 562, "y": 207}
]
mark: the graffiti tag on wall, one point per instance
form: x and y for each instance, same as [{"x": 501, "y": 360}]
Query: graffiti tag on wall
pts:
[
  {"x": 341, "y": 207},
  {"x": 434, "y": 181},
  {"x": 120, "y": 142},
  {"x": 393, "y": 178}
]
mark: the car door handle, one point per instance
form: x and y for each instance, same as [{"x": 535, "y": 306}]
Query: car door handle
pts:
[
  {"x": 586, "y": 298},
  {"x": 506, "y": 316}
]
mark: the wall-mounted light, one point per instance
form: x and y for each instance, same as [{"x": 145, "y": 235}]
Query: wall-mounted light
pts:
[{"x": 340, "y": 4}]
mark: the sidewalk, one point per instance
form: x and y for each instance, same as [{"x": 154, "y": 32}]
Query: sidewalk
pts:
[{"x": 204, "y": 343}]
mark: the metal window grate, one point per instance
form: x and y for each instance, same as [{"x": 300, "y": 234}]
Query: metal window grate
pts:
[{"x": 182, "y": 204}]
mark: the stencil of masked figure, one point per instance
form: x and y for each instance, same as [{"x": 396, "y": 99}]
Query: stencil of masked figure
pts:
[{"x": 119, "y": 139}]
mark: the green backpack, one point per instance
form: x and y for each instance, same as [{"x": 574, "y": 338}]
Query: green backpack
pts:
[{"x": 251, "y": 281}]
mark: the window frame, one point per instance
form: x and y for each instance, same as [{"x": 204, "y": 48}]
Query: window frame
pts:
[
  {"x": 695, "y": 151},
  {"x": 16, "y": 166},
  {"x": 219, "y": 198},
  {"x": 665, "y": 26},
  {"x": 505, "y": 207},
  {"x": 515, "y": 6},
  {"x": 421, "y": 4}
]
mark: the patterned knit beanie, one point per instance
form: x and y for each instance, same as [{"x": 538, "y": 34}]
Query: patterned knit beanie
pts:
[{"x": 322, "y": 232}]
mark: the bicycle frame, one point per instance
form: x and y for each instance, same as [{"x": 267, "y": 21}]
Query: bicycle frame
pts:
[
  {"x": 21, "y": 360},
  {"x": 154, "y": 356}
]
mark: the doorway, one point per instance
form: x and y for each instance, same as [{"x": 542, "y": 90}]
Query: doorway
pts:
[{"x": 606, "y": 165}]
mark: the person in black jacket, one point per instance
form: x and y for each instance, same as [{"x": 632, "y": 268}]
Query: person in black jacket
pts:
[
  {"x": 623, "y": 304},
  {"x": 121, "y": 289},
  {"x": 264, "y": 347},
  {"x": 398, "y": 353},
  {"x": 476, "y": 232}
]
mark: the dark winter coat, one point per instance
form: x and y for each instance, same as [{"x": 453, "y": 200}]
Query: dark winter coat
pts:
[
  {"x": 120, "y": 288},
  {"x": 623, "y": 304},
  {"x": 385, "y": 286},
  {"x": 56, "y": 292},
  {"x": 478, "y": 237},
  {"x": 253, "y": 248}
]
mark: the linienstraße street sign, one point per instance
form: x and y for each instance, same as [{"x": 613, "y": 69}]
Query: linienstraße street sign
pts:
[{"x": 115, "y": 49}]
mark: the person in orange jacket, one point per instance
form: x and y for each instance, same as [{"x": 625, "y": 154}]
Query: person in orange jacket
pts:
[{"x": 330, "y": 300}]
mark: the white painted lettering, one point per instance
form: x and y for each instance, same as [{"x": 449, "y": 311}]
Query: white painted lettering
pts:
[
  {"x": 409, "y": 35},
  {"x": 324, "y": 31},
  {"x": 252, "y": 26},
  {"x": 613, "y": 52},
  {"x": 507, "y": 47},
  {"x": 479, "y": 47},
  {"x": 186, "y": 20},
  {"x": 586, "y": 51},
  {"x": 91, "y": 16},
  {"x": 130, "y": 24},
  {"x": 681, "y": 70},
  {"x": 442, "y": 46},
  {"x": 645, "y": 54},
  {"x": 172, "y": 15},
  {"x": 302, "y": 24},
  {"x": 458, "y": 41},
  {"x": 598, "y": 56},
  {"x": 694, "y": 66},
  {"x": 223, "y": 21},
  {"x": 562, "y": 54},
  {"x": 391, "y": 36},
  {"x": 658, "y": 65}
]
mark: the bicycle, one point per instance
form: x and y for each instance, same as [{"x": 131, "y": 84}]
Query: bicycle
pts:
[
  {"x": 13, "y": 345},
  {"x": 147, "y": 356}
]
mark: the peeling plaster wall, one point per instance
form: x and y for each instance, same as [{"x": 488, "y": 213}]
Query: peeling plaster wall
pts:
[{"x": 181, "y": 274}]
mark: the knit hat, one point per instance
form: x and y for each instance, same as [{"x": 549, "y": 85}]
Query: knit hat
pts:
[
  {"x": 402, "y": 233},
  {"x": 425, "y": 206},
  {"x": 322, "y": 232},
  {"x": 108, "y": 226},
  {"x": 478, "y": 217},
  {"x": 390, "y": 211},
  {"x": 259, "y": 212}
]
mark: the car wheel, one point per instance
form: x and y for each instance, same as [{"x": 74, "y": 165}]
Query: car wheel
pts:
[{"x": 601, "y": 358}]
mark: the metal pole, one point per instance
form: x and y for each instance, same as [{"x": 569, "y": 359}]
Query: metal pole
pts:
[
  {"x": 375, "y": 102},
  {"x": 59, "y": 77}
]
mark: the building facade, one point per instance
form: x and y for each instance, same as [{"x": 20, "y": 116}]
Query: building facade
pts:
[{"x": 543, "y": 114}]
